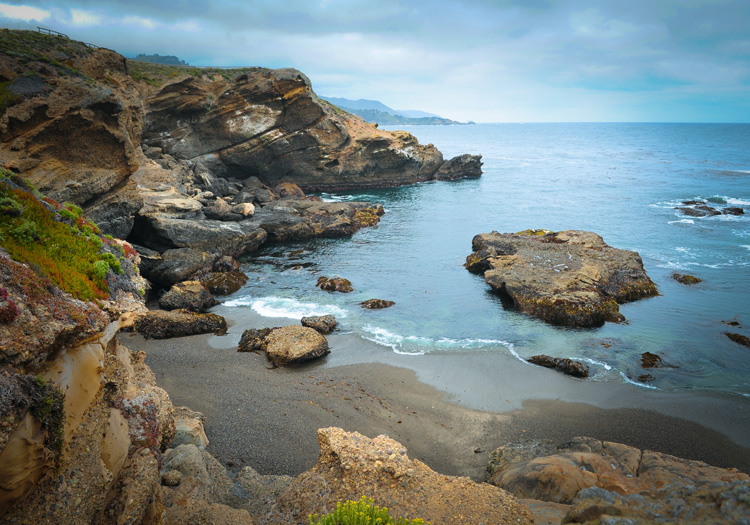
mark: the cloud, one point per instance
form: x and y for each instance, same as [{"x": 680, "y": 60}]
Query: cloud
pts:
[
  {"x": 80, "y": 17},
  {"x": 23, "y": 12}
]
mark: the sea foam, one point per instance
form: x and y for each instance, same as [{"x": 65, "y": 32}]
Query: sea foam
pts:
[{"x": 285, "y": 307}]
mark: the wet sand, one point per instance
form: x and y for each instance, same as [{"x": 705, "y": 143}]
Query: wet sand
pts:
[{"x": 267, "y": 418}]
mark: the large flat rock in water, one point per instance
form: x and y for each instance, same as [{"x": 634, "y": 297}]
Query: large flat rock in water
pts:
[{"x": 570, "y": 278}]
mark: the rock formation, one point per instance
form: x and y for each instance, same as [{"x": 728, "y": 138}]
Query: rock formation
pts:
[
  {"x": 286, "y": 345},
  {"x": 351, "y": 465},
  {"x": 179, "y": 158},
  {"x": 569, "y": 278},
  {"x": 325, "y": 324},
  {"x": 376, "y": 304},
  {"x": 564, "y": 365}
]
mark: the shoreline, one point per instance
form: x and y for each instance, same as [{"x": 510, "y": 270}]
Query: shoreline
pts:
[{"x": 268, "y": 418}]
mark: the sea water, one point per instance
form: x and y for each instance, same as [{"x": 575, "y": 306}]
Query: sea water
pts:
[{"x": 622, "y": 181}]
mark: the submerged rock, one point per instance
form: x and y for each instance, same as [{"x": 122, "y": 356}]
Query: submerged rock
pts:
[
  {"x": 649, "y": 360},
  {"x": 325, "y": 324},
  {"x": 564, "y": 365},
  {"x": 540, "y": 470},
  {"x": 739, "y": 339},
  {"x": 570, "y": 278},
  {"x": 376, "y": 304},
  {"x": 160, "y": 324},
  {"x": 686, "y": 279},
  {"x": 334, "y": 284},
  {"x": 351, "y": 465}
]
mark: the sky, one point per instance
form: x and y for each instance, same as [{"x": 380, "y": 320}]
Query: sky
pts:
[{"x": 480, "y": 60}]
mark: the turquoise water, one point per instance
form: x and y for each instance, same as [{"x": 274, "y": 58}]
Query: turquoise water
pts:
[{"x": 619, "y": 180}]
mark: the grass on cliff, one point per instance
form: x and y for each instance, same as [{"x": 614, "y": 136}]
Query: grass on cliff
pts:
[
  {"x": 55, "y": 240},
  {"x": 159, "y": 74}
]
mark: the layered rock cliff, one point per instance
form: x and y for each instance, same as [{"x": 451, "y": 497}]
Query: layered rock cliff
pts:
[{"x": 148, "y": 149}]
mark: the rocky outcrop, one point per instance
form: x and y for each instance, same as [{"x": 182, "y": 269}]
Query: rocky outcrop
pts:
[
  {"x": 569, "y": 278},
  {"x": 539, "y": 470},
  {"x": 462, "y": 167},
  {"x": 686, "y": 279},
  {"x": 223, "y": 283},
  {"x": 376, "y": 304},
  {"x": 351, "y": 464},
  {"x": 564, "y": 365},
  {"x": 739, "y": 338},
  {"x": 696, "y": 208},
  {"x": 160, "y": 324},
  {"x": 325, "y": 324},
  {"x": 169, "y": 159},
  {"x": 334, "y": 284}
]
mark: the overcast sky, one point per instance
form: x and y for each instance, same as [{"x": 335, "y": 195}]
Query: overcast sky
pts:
[{"x": 481, "y": 60}]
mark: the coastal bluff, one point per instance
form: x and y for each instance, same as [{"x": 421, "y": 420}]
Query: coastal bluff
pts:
[{"x": 569, "y": 278}]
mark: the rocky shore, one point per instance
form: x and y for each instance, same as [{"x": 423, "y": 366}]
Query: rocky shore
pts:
[{"x": 118, "y": 180}]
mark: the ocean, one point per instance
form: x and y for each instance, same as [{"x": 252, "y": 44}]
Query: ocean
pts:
[{"x": 622, "y": 181}]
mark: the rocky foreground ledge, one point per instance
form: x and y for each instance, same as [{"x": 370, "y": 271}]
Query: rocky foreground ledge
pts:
[{"x": 570, "y": 278}]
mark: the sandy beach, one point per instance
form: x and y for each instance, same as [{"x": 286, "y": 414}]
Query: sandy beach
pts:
[{"x": 449, "y": 410}]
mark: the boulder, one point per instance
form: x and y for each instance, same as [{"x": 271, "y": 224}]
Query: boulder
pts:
[
  {"x": 288, "y": 190},
  {"x": 699, "y": 210},
  {"x": 351, "y": 465},
  {"x": 685, "y": 278},
  {"x": 290, "y": 345},
  {"x": 160, "y": 324},
  {"x": 540, "y": 470},
  {"x": 325, "y": 324},
  {"x": 733, "y": 211},
  {"x": 226, "y": 263},
  {"x": 223, "y": 283},
  {"x": 187, "y": 295},
  {"x": 179, "y": 265},
  {"x": 245, "y": 209},
  {"x": 334, "y": 284},
  {"x": 649, "y": 360},
  {"x": 220, "y": 210},
  {"x": 376, "y": 304},
  {"x": 564, "y": 365},
  {"x": 188, "y": 429},
  {"x": 569, "y": 278},
  {"x": 460, "y": 167}
]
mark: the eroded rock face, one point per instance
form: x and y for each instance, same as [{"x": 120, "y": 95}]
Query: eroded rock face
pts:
[
  {"x": 569, "y": 278},
  {"x": 325, "y": 324},
  {"x": 188, "y": 295},
  {"x": 351, "y": 464},
  {"x": 539, "y": 470},
  {"x": 462, "y": 167},
  {"x": 294, "y": 344}
]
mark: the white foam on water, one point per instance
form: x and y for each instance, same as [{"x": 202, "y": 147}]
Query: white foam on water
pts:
[
  {"x": 746, "y": 246},
  {"x": 636, "y": 383},
  {"x": 399, "y": 343},
  {"x": 682, "y": 221},
  {"x": 383, "y": 337},
  {"x": 594, "y": 362},
  {"x": 285, "y": 307},
  {"x": 737, "y": 202}
]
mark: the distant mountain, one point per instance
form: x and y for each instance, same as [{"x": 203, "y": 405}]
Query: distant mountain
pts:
[
  {"x": 377, "y": 112},
  {"x": 159, "y": 59}
]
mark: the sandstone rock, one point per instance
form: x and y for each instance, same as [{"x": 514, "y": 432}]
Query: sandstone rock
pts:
[
  {"x": 376, "y": 304},
  {"x": 542, "y": 471},
  {"x": 288, "y": 190},
  {"x": 254, "y": 340},
  {"x": 738, "y": 338},
  {"x": 159, "y": 324},
  {"x": 460, "y": 167},
  {"x": 685, "y": 278},
  {"x": 171, "y": 478},
  {"x": 351, "y": 464},
  {"x": 189, "y": 428},
  {"x": 325, "y": 324},
  {"x": 222, "y": 211},
  {"x": 334, "y": 284},
  {"x": 570, "y": 278},
  {"x": 245, "y": 209},
  {"x": 721, "y": 503},
  {"x": 223, "y": 283},
  {"x": 290, "y": 345},
  {"x": 187, "y": 295},
  {"x": 564, "y": 365}
]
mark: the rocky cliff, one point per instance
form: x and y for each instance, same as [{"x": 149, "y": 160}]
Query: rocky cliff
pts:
[{"x": 153, "y": 149}]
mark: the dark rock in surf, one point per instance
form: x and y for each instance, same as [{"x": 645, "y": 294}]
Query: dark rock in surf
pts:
[
  {"x": 376, "y": 304},
  {"x": 325, "y": 324},
  {"x": 564, "y": 365},
  {"x": 649, "y": 360},
  {"x": 334, "y": 284},
  {"x": 686, "y": 279},
  {"x": 739, "y": 339},
  {"x": 460, "y": 167}
]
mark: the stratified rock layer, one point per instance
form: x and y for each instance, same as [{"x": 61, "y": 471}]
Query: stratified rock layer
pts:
[
  {"x": 351, "y": 465},
  {"x": 569, "y": 278}
]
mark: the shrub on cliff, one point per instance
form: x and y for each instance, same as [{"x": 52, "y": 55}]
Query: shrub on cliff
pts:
[
  {"x": 57, "y": 241},
  {"x": 362, "y": 512}
]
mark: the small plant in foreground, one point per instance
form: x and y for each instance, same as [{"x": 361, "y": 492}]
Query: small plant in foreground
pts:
[{"x": 362, "y": 512}]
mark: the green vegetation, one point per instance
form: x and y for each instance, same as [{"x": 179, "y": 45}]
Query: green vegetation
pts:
[
  {"x": 49, "y": 408},
  {"x": 537, "y": 232},
  {"x": 56, "y": 240},
  {"x": 156, "y": 58},
  {"x": 361, "y": 512},
  {"x": 158, "y": 74}
]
